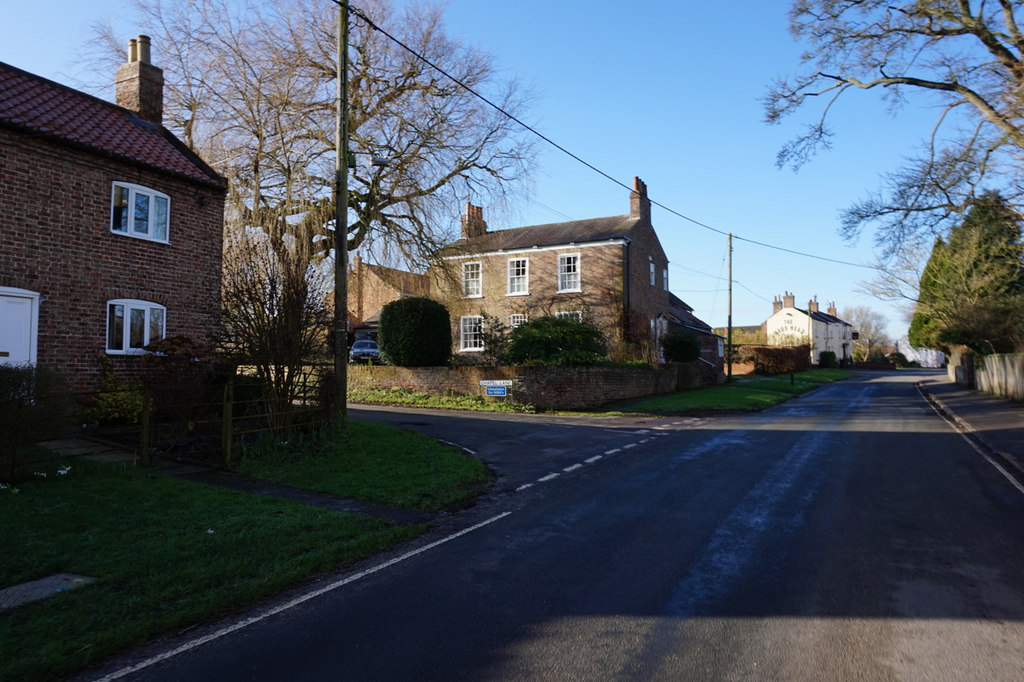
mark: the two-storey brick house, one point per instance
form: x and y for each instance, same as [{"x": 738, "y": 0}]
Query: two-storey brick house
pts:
[
  {"x": 110, "y": 227},
  {"x": 611, "y": 271}
]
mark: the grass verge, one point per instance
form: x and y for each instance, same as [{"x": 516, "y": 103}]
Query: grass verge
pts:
[
  {"x": 166, "y": 554},
  {"x": 375, "y": 463},
  {"x": 745, "y": 395},
  {"x": 405, "y": 397}
]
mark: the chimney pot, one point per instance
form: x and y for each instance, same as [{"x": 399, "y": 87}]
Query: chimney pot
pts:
[{"x": 143, "y": 43}]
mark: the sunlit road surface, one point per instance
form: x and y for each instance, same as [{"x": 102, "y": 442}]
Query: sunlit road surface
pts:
[{"x": 849, "y": 534}]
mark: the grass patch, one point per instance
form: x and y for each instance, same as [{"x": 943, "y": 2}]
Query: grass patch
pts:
[
  {"x": 407, "y": 398},
  {"x": 745, "y": 395},
  {"x": 823, "y": 376},
  {"x": 167, "y": 554},
  {"x": 372, "y": 462}
]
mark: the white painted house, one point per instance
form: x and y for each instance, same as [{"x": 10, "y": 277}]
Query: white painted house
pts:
[{"x": 789, "y": 326}]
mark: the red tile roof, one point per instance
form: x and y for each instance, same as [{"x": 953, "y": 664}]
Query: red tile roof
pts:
[{"x": 40, "y": 106}]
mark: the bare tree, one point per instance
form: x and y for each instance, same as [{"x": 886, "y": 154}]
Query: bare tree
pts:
[
  {"x": 969, "y": 55},
  {"x": 251, "y": 86},
  {"x": 870, "y": 328},
  {"x": 274, "y": 316}
]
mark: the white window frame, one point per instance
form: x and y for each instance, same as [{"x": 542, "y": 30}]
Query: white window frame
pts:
[
  {"x": 518, "y": 284},
  {"x": 564, "y": 274},
  {"x": 158, "y": 212},
  {"x": 573, "y": 314},
  {"x": 664, "y": 277},
  {"x": 152, "y": 313},
  {"x": 471, "y": 333},
  {"x": 654, "y": 276},
  {"x": 516, "y": 319},
  {"x": 473, "y": 284}
]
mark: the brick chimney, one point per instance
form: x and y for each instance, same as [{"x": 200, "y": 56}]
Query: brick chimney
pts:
[
  {"x": 788, "y": 300},
  {"x": 812, "y": 305},
  {"x": 639, "y": 204},
  {"x": 140, "y": 85},
  {"x": 776, "y": 305},
  {"x": 832, "y": 309},
  {"x": 473, "y": 224}
]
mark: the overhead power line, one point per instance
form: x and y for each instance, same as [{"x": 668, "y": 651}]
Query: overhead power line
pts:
[{"x": 366, "y": 20}]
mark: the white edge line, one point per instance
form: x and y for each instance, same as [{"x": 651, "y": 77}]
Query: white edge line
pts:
[
  {"x": 612, "y": 452},
  {"x": 593, "y": 459},
  {"x": 573, "y": 467},
  {"x": 977, "y": 448},
  {"x": 524, "y": 486},
  {"x": 295, "y": 602},
  {"x": 627, "y": 446},
  {"x": 548, "y": 478}
]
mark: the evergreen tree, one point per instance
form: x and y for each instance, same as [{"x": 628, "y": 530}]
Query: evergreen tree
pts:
[{"x": 972, "y": 289}]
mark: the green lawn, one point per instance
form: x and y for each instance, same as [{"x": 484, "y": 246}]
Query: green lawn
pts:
[
  {"x": 376, "y": 463},
  {"x": 168, "y": 554},
  {"x": 743, "y": 395}
]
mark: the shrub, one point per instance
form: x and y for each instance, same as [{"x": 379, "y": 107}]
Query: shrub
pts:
[
  {"x": 898, "y": 359},
  {"x": 681, "y": 346},
  {"x": 827, "y": 359},
  {"x": 34, "y": 405},
  {"x": 415, "y": 332},
  {"x": 555, "y": 341},
  {"x": 117, "y": 401}
]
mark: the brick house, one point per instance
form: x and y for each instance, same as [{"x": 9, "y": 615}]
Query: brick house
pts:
[
  {"x": 371, "y": 287},
  {"x": 824, "y": 331},
  {"x": 110, "y": 227},
  {"x": 610, "y": 271}
]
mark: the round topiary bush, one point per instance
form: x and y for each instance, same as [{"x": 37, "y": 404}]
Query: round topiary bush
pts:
[{"x": 415, "y": 332}]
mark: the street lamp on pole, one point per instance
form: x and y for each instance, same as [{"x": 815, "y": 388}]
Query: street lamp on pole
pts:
[{"x": 341, "y": 219}]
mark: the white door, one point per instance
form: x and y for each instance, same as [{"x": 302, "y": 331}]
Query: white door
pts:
[{"x": 19, "y": 320}]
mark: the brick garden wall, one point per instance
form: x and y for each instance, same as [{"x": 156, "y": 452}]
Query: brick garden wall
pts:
[
  {"x": 55, "y": 239},
  {"x": 562, "y": 388}
]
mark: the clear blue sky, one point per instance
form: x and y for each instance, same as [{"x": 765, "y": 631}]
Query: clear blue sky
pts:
[{"x": 664, "y": 90}]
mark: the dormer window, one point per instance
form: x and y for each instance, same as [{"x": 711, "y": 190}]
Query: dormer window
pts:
[{"x": 138, "y": 211}]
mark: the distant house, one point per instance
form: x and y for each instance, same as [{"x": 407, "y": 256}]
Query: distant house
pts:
[
  {"x": 824, "y": 331},
  {"x": 110, "y": 227},
  {"x": 610, "y": 271}
]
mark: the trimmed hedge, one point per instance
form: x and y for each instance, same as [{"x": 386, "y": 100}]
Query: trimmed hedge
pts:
[
  {"x": 415, "y": 332},
  {"x": 776, "y": 359}
]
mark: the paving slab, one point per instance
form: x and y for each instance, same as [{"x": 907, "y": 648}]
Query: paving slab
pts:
[{"x": 42, "y": 588}]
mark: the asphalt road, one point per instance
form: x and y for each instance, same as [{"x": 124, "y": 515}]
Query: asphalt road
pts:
[{"x": 849, "y": 534}]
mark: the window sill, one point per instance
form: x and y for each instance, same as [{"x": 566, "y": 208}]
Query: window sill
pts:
[
  {"x": 474, "y": 296},
  {"x": 141, "y": 237},
  {"x": 518, "y": 293},
  {"x": 569, "y": 291}
]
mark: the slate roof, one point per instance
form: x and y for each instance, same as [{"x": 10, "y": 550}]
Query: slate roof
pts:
[
  {"x": 683, "y": 314},
  {"x": 573, "y": 232},
  {"x": 35, "y": 105}
]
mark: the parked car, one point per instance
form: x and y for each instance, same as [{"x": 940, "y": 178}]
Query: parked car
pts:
[{"x": 364, "y": 351}]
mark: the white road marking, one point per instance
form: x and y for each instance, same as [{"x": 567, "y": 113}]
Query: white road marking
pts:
[
  {"x": 612, "y": 452},
  {"x": 593, "y": 459},
  {"x": 573, "y": 467},
  {"x": 547, "y": 478},
  {"x": 195, "y": 643}
]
